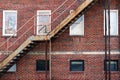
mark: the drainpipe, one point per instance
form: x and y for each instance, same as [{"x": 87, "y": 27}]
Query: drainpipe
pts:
[
  {"x": 105, "y": 40},
  {"x": 109, "y": 57},
  {"x": 46, "y": 60},
  {"x": 50, "y": 60}
]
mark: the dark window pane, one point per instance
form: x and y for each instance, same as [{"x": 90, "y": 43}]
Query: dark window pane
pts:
[
  {"x": 40, "y": 65},
  {"x": 113, "y": 65},
  {"x": 76, "y": 65}
]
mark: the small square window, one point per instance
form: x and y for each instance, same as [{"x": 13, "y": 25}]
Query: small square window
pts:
[
  {"x": 76, "y": 65},
  {"x": 41, "y": 64},
  {"x": 113, "y": 65}
]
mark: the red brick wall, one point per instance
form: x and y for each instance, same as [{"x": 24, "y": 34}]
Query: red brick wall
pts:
[
  {"x": 94, "y": 68},
  {"x": 27, "y": 9},
  {"x": 93, "y": 40}
]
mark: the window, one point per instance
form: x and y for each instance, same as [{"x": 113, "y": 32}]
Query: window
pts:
[
  {"x": 113, "y": 65},
  {"x": 40, "y": 65},
  {"x": 9, "y": 22},
  {"x": 76, "y": 65},
  {"x": 113, "y": 22},
  {"x": 13, "y": 68},
  {"x": 43, "y": 22},
  {"x": 77, "y": 28}
]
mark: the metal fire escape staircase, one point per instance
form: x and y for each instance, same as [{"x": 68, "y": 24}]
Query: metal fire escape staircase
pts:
[{"x": 28, "y": 44}]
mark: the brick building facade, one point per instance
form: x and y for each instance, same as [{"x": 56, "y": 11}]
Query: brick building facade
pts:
[{"x": 90, "y": 47}]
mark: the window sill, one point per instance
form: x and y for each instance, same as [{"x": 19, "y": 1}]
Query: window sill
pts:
[
  {"x": 7, "y": 36},
  {"x": 112, "y": 36},
  {"x": 77, "y": 71},
  {"x": 42, "y": 71},
  {"x": 76, "y": 35},
  {"x": 113, "y": 72}
]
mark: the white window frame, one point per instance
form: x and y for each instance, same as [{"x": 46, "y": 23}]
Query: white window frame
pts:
[
  {"x": 116, "y": 23},
  {"x": 77, "y": 34},
  {"x": 48, "y": 22},
  {"x": 4, "y": 15}
]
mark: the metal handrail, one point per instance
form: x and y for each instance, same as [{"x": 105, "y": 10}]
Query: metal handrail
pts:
[
  {"x": 44, "y": 26},
  {"x": 21, "y": 36},
  {"x": 33, "y": 17},
  {"x": 29, "y": 21}
]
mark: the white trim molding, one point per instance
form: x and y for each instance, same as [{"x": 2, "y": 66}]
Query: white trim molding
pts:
[
  {"x": 75, "y": 52},
  {"x": 9, "y": 22},
  {"x": 41, "y": 22}
]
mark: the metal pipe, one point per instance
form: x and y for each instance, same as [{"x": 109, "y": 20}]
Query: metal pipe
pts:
[
  {"x": 50, "y": 59},
  {"x": 105, "y": 39},
  {"x": 46, "y": 60},
  {"x": 109, "y": 39}
]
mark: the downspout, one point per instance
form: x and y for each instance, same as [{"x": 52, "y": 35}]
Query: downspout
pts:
[
  {"x": 105, "y": 39},
  {"x": 50, "y": 60},
  {"x": 46, "y": 63},
  {"x": 109, "y": 57}
]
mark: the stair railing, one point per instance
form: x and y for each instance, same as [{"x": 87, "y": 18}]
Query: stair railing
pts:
[{"x": 8, "y": 45}]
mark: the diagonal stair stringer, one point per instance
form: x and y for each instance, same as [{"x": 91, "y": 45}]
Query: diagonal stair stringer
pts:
[
  {"x": 21, "y": 48},
  {"x": 26, "y": 45},
  {"x": 70, "y": 17}
]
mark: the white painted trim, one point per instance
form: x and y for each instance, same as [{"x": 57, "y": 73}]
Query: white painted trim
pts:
[
  {"x": 3, "y": 30},
  {"x": 78, "y": 34},
  {"x": 77, "y": 52},
  {"x": 116, "y": 22},
  {"x": 49, "y": 11},
  {"x": 84, "y": 52}
]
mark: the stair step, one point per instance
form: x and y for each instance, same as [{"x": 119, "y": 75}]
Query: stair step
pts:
[
  {"x": 25, "y": 49},
  {"x": 15, "y": 59},
  {"x": 21, "y": 52},
  {"x": 33, "y": 43},
  {"x": 1, "y": 70},
  {"x": 30, "y": 46},
  {"x": 12, "y": 62}
]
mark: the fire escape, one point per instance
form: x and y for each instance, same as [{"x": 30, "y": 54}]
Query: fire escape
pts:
[{"x": 31, "y": 40}]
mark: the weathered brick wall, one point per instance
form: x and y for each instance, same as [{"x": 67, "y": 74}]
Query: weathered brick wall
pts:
[
  {"x": 27, "y": 9},
  {"x": 93, "y": 40},
  {"x": 94, "y": 68}
]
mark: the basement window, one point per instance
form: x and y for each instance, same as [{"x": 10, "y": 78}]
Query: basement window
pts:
[
  {"x": 113, "y": 65},
  {"x": 9, "y": 22},
  {"x": 113, "y": 22},
  {"x": 76, "y": 65},
  {"x": 77, "y": 28},
  {"x": 40, "y": 65},
  {"x": 13, "y": 68}
]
